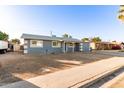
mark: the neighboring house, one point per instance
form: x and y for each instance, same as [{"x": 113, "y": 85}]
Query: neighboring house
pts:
[
  {"x": 122, "y": 45},
  {"x": 16, "y": 47},
  {"x": 103, "y": 45},
  {"x": 39, "y": 44}
]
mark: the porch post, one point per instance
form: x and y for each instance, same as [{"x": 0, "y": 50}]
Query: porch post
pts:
[
  {"x": 64, "y": 46},
  {"x": 73, "y": 46}
]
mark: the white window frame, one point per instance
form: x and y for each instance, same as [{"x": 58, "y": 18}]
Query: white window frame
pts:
[
  {"x": 39, "y": 43},
  {"x": 58, "y": 46},
  {"x": 72, "y": 44}
]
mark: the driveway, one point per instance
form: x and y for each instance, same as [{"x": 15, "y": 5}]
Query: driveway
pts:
[{"x": 111, "y": 52}]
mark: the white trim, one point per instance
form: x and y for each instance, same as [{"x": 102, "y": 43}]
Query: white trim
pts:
[
  {"x": 66, "y": 47},
  {"x": 25, "y": 46},
  {"x": 58, "y": 46},
  {"x": 71, "y": 46},
  {"x": 25, "y": 42},
  {"x": 39, "y": 43},
  {"x": 25, "y": 51}
]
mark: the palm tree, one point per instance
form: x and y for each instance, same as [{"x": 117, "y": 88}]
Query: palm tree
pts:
[
  {"x": 66, "y": 36},
  {"x": 121, "y": 13}
]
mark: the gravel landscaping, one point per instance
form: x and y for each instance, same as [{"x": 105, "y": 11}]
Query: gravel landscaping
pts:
[{"x": 16, "y": 66}]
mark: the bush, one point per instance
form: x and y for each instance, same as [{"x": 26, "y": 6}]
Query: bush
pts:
[{"x": 117, "y": 47}]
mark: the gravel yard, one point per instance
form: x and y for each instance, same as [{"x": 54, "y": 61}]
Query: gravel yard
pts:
[{"x": 16, "y": 66}]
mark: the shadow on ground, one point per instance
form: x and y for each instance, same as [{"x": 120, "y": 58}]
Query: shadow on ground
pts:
[{"x": 8, "y": 80}]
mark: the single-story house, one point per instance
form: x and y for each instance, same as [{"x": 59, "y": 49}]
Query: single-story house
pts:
[
  {"x": 39, "y": 44},
  {"x": 16, "y": 47}
]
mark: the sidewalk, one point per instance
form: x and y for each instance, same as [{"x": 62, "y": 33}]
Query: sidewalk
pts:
[{"x": 71, "y": 77}]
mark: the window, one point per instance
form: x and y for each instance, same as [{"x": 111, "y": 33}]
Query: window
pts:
[
  {"x": 56, "y": 44},
  {"x": 25, "y": 46},
  {"x": 36, "y": 43},
  {"x": 70, "y": 44}
]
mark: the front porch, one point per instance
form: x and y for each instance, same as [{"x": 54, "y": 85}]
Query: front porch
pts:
[{"x": 70, "y": 47}]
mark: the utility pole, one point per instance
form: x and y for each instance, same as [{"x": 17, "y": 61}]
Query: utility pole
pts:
[{"x": 51, "y": 33}]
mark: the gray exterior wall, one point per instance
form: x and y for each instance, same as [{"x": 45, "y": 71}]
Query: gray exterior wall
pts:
[
  {"x": 86, "y": 47},
  {"x": 70, "y": 49},
  {"x": 46, "y": 49},
  {"x": 77, "y": 47}
]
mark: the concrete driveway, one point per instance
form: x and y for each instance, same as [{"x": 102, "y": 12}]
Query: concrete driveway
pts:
[
  {"x": 72, "y": 77},
  {"x": 111, "y": 52}
]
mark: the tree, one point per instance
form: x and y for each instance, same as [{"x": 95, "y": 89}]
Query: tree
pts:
[
  {"x": 3, "y": 36},
  {"x": 66, "y": 36},
  {"x": 85, "y": 39},
  {"x": 121, "y": 13},
  {"x": 96, "y": 39},
  {"x": 15, "y": 41},
  {"x": 70, "y": 36}
]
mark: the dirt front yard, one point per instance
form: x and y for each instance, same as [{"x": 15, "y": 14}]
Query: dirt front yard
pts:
[{"x": 16, "y": 66}]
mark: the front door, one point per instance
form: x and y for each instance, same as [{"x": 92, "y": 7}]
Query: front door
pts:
[{"x": 65, "y": 47}]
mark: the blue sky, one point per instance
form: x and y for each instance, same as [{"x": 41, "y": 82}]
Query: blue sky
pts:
[{"x": 78, "y": 21}]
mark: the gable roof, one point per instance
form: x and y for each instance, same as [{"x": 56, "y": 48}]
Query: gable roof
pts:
[{"x": 41, "y": 37}]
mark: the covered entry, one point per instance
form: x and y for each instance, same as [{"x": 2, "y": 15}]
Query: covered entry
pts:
[{"x": 70, "y": 47}]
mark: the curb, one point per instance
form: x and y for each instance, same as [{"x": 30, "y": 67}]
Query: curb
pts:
[
  {"x": 113, "y": 81},
  {"x": 94, "y": 79}
]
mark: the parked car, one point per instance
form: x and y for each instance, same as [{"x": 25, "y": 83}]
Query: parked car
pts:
[{"x": 117, "y": 47}]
